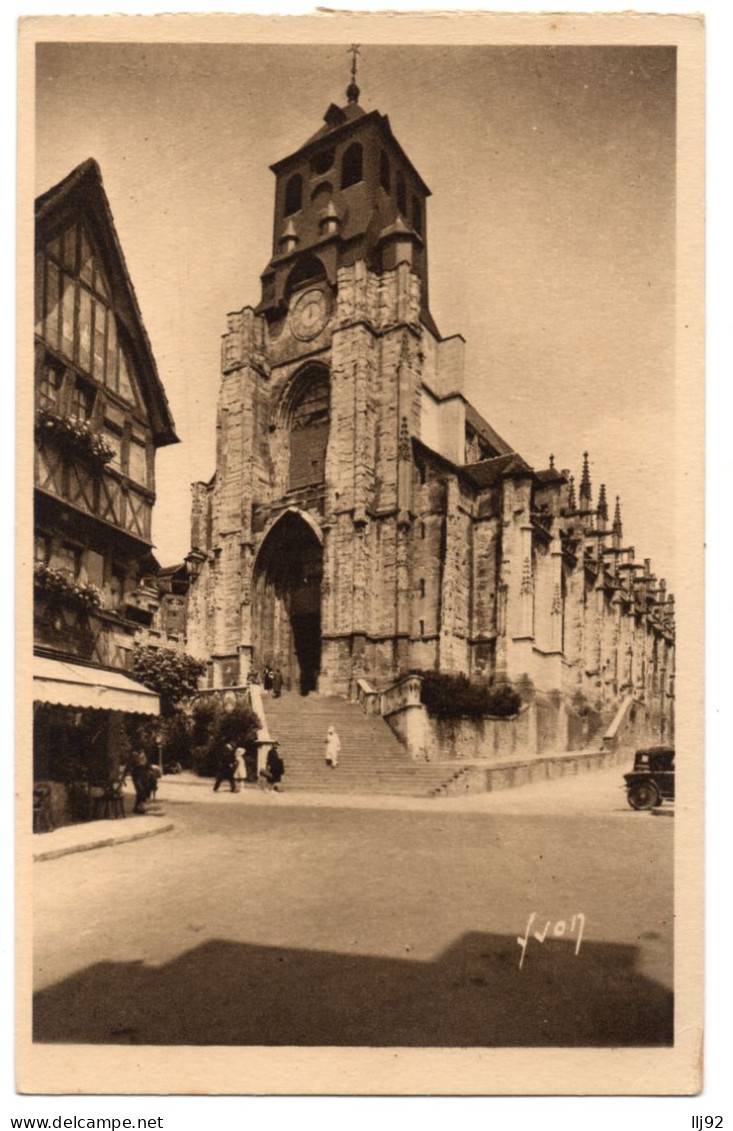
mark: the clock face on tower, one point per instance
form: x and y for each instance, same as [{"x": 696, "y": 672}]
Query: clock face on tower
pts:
[{"x": 309, "y": 313}]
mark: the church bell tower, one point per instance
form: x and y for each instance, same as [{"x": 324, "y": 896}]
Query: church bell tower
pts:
[
  {"x": 349, "y": 193},
  {"x": 304, "y": 529}
]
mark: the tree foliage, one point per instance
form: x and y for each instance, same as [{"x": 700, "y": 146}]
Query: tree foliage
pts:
[{"x": 173, "y": 675}]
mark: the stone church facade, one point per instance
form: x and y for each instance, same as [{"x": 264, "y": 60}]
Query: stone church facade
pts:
[{"x": 364, "y": 520}]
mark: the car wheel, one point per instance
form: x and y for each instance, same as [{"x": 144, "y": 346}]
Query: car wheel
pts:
[{"x": 643, "y": 795}]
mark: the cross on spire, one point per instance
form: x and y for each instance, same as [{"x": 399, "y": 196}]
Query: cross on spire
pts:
[{"x": 352, "y": 90}]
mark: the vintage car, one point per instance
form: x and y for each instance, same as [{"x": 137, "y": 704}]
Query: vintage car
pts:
[{"x": 652, "y": 779}]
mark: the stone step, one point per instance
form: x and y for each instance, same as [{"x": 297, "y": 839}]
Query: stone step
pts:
[{"x": 373, "y": 760}]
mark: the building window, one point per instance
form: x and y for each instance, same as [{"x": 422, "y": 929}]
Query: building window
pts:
[
  {"x": 49, "y": 387},
  {"x": 422, "y": 627},
  {"x": 422, "y": 529},
  {"x": 384, "y": 172},
  {"x": 322, "y": 162},
  {"x": 68, "y": 558},
  {"x": 322, "y": 193},
  {"x": 422, "y": 586},
  {"x": 351, "y": 167},
  {"x": 82, "y": 401},
  {"x": 75, "y": 314},
  {"x": 138, "y": 462},
  {"x": 117, "y": 587},
  {"x": 421, "y": 473},
  {"x": 293, "y": 194},
  {"x": 417, "y": 214},
  {"x": 401, "y": 193},
  {"x": 41, "y": 549},
  {"x": 309, "y": 423}
]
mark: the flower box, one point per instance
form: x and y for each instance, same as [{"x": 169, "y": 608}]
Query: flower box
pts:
[
  {"x": 56, "y": 585},
  {"x": 75, "y": 438}
]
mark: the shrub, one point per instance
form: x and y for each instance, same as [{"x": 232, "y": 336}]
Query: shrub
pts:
[
  {"x": 455, "y": 696},
  {"x": 238, "y": 726},
  {"x": 205, "y": 714},
  {"x": 212, "y": 726},
  {"x": 175, "y": 732}
]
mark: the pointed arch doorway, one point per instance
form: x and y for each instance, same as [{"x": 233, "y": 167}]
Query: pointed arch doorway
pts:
[{"x": 286, "y": 602}]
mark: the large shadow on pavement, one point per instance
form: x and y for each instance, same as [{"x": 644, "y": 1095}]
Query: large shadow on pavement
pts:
[{"x": 474, "y": 994}]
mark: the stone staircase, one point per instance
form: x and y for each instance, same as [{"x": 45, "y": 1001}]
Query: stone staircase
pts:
[{"x": 372, "y": 759}]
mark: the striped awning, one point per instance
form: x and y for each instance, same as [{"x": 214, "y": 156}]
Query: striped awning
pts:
[{"x": 73, "y": 685}]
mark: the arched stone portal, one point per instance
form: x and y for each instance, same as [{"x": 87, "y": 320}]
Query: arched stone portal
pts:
[{"x": 286, "y": 603}]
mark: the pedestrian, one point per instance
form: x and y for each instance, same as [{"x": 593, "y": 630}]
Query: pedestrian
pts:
[
  {"x": 267, "y": 679},
  {"x": 277, "y": 683},
  {"x": 275, "y": 767},
  {"x": 240, "y": 771},
  {"x": 226, "y": 768},
  {"x": 139, "y": 770},
  {"x": 333, "y": 748},
  {"x": 153, "y": 777}
]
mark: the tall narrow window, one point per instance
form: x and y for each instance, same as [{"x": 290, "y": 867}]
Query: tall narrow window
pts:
[
  {"x": 309, "y": 421},
  {"x": 384, "y": 172},
  {"x": 82, "y": 401},
  {"x": 68, "y": 558},
  {"x": 351, "y": 168},
  {"x": 49, "y": 387},
  {"x": 41, "y": 549},
  {"x": 293, "y": 194},
  {"x": 401, "y": 193}
]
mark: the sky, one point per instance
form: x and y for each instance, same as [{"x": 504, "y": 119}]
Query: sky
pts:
[{"x": 550, "y": 229}]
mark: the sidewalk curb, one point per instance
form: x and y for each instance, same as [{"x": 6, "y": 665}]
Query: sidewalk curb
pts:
[{"x": 107, "y": 842}]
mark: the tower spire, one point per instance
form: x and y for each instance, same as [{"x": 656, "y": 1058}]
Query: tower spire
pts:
[
  {"x": 585, "y": 491},
  {"x": 617, "y": 529},
  {"x": 602, "y": 503},
  {"x": 352, "y": 90}
]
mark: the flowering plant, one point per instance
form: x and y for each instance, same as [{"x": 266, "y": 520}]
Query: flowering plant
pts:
[
  {"x": 58, "y": 584},
  {"x": 74, "y": 437}
]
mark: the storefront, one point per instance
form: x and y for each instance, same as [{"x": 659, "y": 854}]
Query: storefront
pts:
[{"x": 85, "y": 722}]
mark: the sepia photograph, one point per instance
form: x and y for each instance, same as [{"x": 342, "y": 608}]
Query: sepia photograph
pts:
[{"x": 356, "y": 522}]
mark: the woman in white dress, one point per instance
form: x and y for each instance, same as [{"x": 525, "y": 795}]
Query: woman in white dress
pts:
[
  {"x": 240, "y": 771},
  {"x": 333, "y": 748}
]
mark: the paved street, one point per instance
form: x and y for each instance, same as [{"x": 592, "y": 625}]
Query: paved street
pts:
[{"x": 284, "y": 919}]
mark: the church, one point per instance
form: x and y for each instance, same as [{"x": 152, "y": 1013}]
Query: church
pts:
[{"x": 364, "y": 520}]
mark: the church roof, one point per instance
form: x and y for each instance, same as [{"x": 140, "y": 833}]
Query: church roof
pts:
[
  {"x": 550, "y": 475},
  {"x": 337, "y": 116},
  {"x": 484, "y": 429},
  {"x": 82, "y": 192},
  {"x": 340, "y": 121},
  {"x": 489, "y": 471}
]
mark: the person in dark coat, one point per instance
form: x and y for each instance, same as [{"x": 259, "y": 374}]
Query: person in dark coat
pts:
[
  {"x": 139, "y": 770},
  {"x": 271, "y": 776},
  {"x": 277, "y": 683},
  {"x": 267, "y": 679},
  {"x": 226, "y": 768}
]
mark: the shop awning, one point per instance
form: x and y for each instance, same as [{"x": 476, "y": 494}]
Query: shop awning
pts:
[{"x": 72, "y": 685}]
